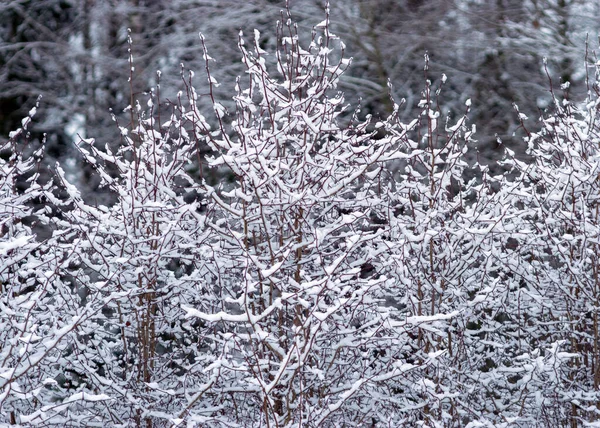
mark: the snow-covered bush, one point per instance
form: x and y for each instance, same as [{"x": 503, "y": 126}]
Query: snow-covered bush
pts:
[
  {"x": 135, "y": 264},
  {"x": 299, "y": 329},
  {"x": 435, "y": 240},
  {"x": 557, "y": 200},
  {"x": 31, "y": 291},
  {"x": 281, "y": 297},
  {"x": 448, "y": 261},
  {"x": 347, "y": 273}
]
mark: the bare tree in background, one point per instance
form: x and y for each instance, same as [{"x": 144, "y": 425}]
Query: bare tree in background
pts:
[{"x": 492, "y": 51}]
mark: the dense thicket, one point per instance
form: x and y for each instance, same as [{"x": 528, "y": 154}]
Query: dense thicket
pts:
[{"x": 352, "y": 271}]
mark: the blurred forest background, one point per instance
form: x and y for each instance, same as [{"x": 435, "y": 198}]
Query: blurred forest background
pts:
[{"x": 75, "y": 54}]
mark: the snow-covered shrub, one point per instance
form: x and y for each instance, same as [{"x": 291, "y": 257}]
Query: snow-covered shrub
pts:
[
  {"x": 354, "y": 256},
  {"x": 430, "y": 255},
  {"x": 347, "y": 273},
  {"x": 299, "y": 329},
  {"x": 284, "y": 322},
  {"x": 32, "y": 327},
  {"x": 557, "y": 200},
  {"x": 465, "y": 285},
  {"x": 444, "y": 256},
  {"x": 135, "y": 264}
]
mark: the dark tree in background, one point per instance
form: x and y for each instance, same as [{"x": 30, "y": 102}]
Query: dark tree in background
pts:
[
  {"x": 75, "y": 54},
  {"x": 33, "y": 58},
  {"x": 492, "y": 51},
  {"x": 68, "y": 52}
]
